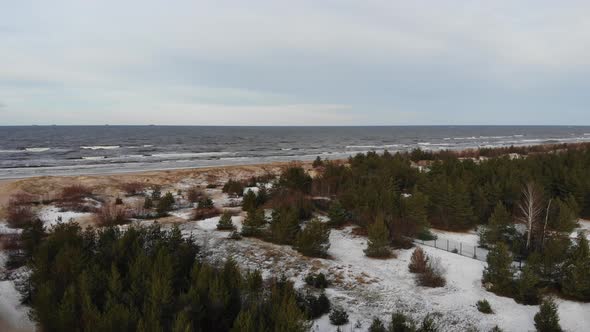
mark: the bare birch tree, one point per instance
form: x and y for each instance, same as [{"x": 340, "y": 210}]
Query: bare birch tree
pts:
[{"x": 531, "y": 209}]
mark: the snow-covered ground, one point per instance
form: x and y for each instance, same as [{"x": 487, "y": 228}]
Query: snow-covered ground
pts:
[
  {"x": 584, "y": 227},
  {"x": 12, "y": 314},
  {"x": 50, "y": 215},
  {"x": 368, "y": 288}
]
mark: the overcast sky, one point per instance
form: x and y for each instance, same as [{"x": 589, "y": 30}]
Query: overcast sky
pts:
[{"x": 292, "y": 62}]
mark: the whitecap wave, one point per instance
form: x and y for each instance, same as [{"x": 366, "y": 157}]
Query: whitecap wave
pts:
[
  {"x": 37, "y": 149},
  {"x": 101, "y": 147},
  {"x": 175, "y": 155},
  {"x": 94, "y": 157}
]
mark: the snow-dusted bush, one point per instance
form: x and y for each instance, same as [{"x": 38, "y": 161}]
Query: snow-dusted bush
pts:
[
  {"x": 433, "y": 276},
  {"x": 418, "y": 261},
  {"x": 338, "y": 317},
  {"x": 484, "y": 306}
]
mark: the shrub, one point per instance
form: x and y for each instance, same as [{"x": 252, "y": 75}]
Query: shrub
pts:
[
  {"x": 111, "y": 214},
  {"x": 133, "y": 188},
  {"x": 235, "y": 235},
  {"x": 200, "y": 214},
  {"x": 314, "y": 239},
  {"x": 118, "y": 201},
  {"x": 294, "y": 177},
  {"x": 72, "y": 198},
  {"x": 484, "y": 306},
  {"x": 433, "y": 276},
  {"x": 401, "y": 323},
  {"x": 165, "y": 204},
  {"x": 225, "y": 223},
  {"x": 148, "y": 203},
  {"x": 338, "y": 317},
  {"x": 205, "y": 203},
  {"x": 547, "y": 319},
  {"x": 156, "y": 192},
  {"x": 317, "y": 280},
  {"x": 233, "y": 187},
  {"x": 377, "y": 326},
  {"x": 337, "y": 214},
  {"x": 318, "y": 162},
  {"x": 315, "y": 306},
  {"x": 194, "y": 194},
  {"x": 418, "y": 261},
  {"x": 19, "y": 216}
]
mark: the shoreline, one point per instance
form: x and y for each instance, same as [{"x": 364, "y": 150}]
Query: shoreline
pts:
[{"x": 106, "y": 183}]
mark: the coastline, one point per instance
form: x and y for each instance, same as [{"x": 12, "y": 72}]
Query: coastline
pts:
[{"x": 106, "y": 183}]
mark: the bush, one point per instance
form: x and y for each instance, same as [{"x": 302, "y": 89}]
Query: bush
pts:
[
  {"x": 547, "y": 319},
  {"x": 318, "y": 162},
  {"x": 156, "y": 192},
  {"x": 72, "y": 198},
  {"x": 378, "y": 242},
  {"x": 254, "y": 223},
  {"x": 315, "y": 306},
  {"x": 235, "y": 235},
  {"x": 433, "y": 276},
  {"x": 314, "y": 239},
  {"x": 317, "y": 280},
  {"x": 225, "y": 223},
  {"x": 337, "y": 214},
  {"x": 377, "y": 326},
  {"x": 148, "y": 203},
  {"x": 133, "y": 188},
  {"x": 233, "y": 187},
  {"x": 295, "y": 178},
  {"x": 165, "y": 204},
  {"x": 484, "y": 306},
  {"x": 338, "y": 317},
  {"x": 194, "y": 194},
  {"x": 418, "y": 261},
  {"x": 401, "y": 323},
  {"x": 200, "y": 214},
  {"x": 19, "y": 216},
  {"x": 111, "y": 214},
  {"x": 205, "y": 203},
  {"x": 118, "y": 201}
]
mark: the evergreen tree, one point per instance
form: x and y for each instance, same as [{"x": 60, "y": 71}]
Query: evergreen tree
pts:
[
  {"x": 526, "y": 286},
  {"x": 284, "y": 226},
  {"x": 576, "y": 282},
  {"x": 254, "y": 223},
  {"x": 499, "y": 228},
  {"x": 225, "y": 223},
  {"x": 499, "y": 273},
  {"x": 314, "y": 239},
  {"x": 378, "y": 242},
  {"x": 318, "y": 162},
  {"x": 337, "y": 214},
  {"x": 249, "y": 202},
  {"x": 565, "y": 215},
  {"x": 415, "y": 217},
  {"x": 547, "y": 319}
]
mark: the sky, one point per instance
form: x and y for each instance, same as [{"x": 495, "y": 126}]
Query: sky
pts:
[{"x": 364, "y": 62}]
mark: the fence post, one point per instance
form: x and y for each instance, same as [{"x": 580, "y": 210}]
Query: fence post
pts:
[
  {"x": 460, "y": 248},
  {"x": 435, "y": 243},
  {"x": 447, "y": 244},
  {"x": 474, "y": 252}
]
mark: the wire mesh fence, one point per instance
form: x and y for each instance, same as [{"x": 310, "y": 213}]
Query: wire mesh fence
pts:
[{"x": 457, "y": 247}]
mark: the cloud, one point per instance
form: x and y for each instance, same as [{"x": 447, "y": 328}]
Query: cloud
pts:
[{"x": 379, "y": 62}]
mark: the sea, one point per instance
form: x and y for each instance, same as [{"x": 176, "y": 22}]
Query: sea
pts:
[{"x": 27, "y": 151}]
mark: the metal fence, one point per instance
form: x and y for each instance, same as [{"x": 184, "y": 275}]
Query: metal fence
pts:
[{"x": 456, "y": 247}]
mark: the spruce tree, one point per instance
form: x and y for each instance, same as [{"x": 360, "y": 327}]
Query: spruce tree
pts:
[
  {"x": 547, "y": 319},
  {"x": 378, "y": 242},
  {"x": 314, "y": 239},
  {"x": 225, "y": 223},
  {"x": 499, "y": 273},
  {"x": 576, "y": 282},
  {"x": 254, "y": 223}
]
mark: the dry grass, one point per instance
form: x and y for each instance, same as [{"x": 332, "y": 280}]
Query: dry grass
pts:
[{"x": 111, "y": 214}]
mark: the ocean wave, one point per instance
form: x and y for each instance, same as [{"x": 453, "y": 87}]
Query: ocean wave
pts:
[
  {"x": 101, "y": 147},
  {"x": 94, "y": 157},
  {"x": 372, "y": 146},
  {"x": 11, "y": 151},
  {"x": 37, "y": 149},
  {"x": 175, "y": 155}
]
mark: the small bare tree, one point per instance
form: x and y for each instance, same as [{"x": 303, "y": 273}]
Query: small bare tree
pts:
[{"x": 531, "y": 209}]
